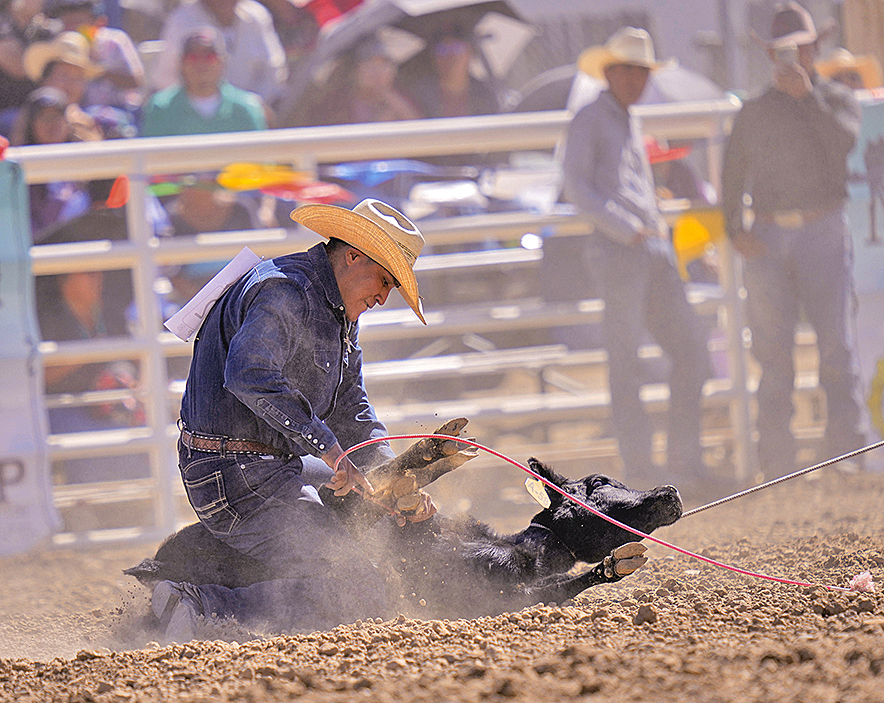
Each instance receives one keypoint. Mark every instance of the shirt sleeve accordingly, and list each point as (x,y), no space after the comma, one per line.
(610,217)
(274,322)
(835,117)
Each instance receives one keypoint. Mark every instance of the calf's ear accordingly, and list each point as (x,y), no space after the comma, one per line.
(544,471)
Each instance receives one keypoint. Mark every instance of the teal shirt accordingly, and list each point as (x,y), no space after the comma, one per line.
(169,112)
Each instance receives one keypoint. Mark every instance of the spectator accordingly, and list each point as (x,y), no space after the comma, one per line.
(91,305)
(297,29)
(62,62)
(45,118)
(788,150)
(448,89)
(856,72)
(203,206)
(608,176)
(256,58)
(368,92)
(21,23)
(121,84)
(203,102)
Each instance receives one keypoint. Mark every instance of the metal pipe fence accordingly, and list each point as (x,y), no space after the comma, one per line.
(303,149)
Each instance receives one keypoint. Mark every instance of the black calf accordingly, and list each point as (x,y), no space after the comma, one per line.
(461,567)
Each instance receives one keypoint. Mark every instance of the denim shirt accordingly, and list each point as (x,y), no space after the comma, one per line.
(607,174)
(277,361)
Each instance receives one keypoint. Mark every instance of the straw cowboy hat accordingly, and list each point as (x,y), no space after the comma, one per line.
(379,231)
(628,45)
(67,47)
(867,66)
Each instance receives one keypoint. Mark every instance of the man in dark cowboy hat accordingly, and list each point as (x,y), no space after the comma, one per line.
(788,150)
(275,392)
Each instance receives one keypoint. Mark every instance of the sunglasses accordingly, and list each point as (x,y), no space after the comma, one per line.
(201,57)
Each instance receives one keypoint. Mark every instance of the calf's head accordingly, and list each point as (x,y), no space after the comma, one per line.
(590,537)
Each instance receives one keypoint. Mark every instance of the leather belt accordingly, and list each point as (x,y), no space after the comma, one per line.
(225,445)
(793,219)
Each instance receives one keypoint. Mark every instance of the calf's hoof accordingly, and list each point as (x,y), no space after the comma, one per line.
(625,559)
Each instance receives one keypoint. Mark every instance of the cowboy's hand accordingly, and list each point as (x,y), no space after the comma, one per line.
(793,80)
(748,245)
(416,507)
(347,477)
(658,231)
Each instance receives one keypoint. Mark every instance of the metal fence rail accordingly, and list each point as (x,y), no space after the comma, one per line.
(303,149)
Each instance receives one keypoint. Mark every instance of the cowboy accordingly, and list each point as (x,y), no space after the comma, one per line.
(856,72)
(608,177)
(788,151)
(275,392)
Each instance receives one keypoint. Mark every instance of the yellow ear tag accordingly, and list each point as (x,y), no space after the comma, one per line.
(537,489)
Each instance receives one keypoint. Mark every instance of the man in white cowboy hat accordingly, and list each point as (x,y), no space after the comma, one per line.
(788,151)
(856,72)
(275,390)
(608,176)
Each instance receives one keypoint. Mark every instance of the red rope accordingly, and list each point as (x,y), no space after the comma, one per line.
(582,504)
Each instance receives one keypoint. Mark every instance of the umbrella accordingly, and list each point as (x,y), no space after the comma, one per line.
(566,87)
(675,83)
(405,26)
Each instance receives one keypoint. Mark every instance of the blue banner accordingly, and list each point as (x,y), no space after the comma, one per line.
(27,516)
(866,214)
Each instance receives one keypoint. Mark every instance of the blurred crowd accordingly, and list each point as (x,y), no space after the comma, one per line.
(70,71)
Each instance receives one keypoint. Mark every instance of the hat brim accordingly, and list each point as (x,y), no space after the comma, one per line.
(799,38)
(596,59)
(333,221)
(866,66)
(39,55)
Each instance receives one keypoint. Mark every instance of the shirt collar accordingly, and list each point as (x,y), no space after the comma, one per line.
(611,104)
(326,276)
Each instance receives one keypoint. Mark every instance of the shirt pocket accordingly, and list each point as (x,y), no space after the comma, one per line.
(325,360)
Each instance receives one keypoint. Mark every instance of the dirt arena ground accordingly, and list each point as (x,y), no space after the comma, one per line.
(678,630)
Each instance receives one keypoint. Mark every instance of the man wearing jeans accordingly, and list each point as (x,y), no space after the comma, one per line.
(608,176)
(788,150)
(274,393)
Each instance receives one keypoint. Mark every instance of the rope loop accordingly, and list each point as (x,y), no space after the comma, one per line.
(639,533)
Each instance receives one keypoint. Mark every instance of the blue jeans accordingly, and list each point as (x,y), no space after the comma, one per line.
(807,269)
(269,509)
(643,292)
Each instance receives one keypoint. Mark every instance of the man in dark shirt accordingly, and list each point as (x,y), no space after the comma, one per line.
(274,395)
(788,151)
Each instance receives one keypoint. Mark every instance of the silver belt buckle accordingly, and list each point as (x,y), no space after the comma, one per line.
(789,219)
